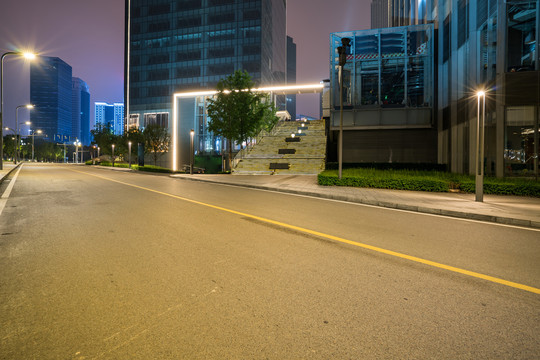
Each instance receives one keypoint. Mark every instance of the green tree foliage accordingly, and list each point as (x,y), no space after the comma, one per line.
(135,136)
(156,141)
(104,138)
(237,113)
(9,146)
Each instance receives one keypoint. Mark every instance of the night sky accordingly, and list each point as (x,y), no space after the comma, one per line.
(89,36)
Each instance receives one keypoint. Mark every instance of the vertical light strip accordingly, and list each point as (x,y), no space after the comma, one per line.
(175,133)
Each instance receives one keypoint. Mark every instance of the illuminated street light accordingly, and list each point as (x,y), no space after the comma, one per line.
(191,136)
(129,155)
(27,55)
(479,181)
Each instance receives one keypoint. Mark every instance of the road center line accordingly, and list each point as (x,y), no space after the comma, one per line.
(5,195)
(335,238)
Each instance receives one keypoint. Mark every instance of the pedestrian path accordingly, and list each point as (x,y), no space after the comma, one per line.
(511,210)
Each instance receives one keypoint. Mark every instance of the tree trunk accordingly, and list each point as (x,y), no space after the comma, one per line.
(229,160)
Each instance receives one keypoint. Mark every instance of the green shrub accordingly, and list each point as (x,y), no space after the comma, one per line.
(435,181)
(152,168)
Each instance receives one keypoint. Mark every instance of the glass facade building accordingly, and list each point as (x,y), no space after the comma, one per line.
(489,45)
(80,103)
(51,95)
(388,94)
(111,115)
(189,45)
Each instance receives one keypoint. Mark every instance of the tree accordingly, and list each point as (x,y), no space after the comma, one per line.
(135,136)
(104,138)
(237,113)
(156,141)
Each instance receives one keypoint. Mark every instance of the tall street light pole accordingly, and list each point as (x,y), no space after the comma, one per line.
(479,191)
(191,135)
(29,56)
(33,136)
(129,154)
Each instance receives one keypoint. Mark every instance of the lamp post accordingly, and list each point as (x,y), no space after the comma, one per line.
(33,136)
(112,155)
(29,107)
(18,140)
(29,56)
(191,135)
(129,154)
(479,190)
(343,52)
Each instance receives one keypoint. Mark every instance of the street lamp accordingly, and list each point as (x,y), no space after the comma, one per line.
(479,191)
(29,107)
(129,155)
(77,145)
(33,136)
(112,155)
(27,55)
(343,52)
(191,135)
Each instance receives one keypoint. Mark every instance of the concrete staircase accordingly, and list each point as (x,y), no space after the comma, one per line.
(280,153)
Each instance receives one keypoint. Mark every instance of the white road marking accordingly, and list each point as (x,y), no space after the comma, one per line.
(5,195)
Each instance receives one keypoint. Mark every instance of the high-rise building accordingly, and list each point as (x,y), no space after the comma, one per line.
(489,45)
(179,45)
(291,75)
(391,13)
(51,95)
(80,102)
(110,115)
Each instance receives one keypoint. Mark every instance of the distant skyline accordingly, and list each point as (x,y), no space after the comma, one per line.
(89,36)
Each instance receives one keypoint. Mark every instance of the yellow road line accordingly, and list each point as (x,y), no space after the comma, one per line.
(336,238)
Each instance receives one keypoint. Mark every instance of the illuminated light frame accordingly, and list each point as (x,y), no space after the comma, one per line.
(282,90)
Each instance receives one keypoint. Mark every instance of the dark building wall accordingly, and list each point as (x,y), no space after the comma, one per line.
(385,146)
(291,75)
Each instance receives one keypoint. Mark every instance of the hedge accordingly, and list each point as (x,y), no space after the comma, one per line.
(433,181)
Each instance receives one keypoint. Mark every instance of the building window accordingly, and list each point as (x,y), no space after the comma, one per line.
(220,2)
(160,26)
(160,119)
(159,74)
(185,5)
(252,15)
(220,69)
(521,35)
(188,72)
(463,22)
(159,9)
(221,18)
(220,52)
(133,122)
(392,83)
(188,56)
(158,59)
(252,66)
(160,90)
(188,22)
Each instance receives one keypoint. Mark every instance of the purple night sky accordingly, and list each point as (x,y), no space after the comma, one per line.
(89,36)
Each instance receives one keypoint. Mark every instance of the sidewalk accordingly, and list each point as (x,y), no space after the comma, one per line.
(511,210)
(7,167)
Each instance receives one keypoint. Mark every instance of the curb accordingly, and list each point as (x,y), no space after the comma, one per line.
(413,208)
(5,175)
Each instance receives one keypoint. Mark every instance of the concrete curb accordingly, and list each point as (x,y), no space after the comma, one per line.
(413,208)
(5,175)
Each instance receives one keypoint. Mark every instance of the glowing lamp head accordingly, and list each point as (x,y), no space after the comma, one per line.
(29,55)
(292,135)
(27,123)
(29,106)
(39,131)
(481,93)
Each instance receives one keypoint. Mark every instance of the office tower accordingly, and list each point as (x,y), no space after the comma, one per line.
(51,95)
(181,45)
(111,115)
(80,102)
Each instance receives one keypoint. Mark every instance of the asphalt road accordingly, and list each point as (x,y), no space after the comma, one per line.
(103,264)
